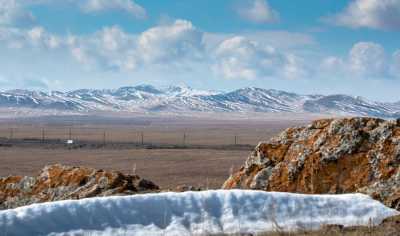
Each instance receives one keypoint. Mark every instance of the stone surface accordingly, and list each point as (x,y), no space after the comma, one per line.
(59,182)
(187,188)
(328,156)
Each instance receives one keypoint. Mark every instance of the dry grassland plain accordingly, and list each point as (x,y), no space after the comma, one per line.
(205,168)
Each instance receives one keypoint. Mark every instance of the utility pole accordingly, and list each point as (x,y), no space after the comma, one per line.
(104,138)
(43,135)
(11,134)
(142,137)
(70,134)
(184,139)
(235,139)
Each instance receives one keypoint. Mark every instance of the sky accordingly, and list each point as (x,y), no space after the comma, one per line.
(308,47)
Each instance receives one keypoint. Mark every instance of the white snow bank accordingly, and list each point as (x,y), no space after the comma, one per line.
(192,213)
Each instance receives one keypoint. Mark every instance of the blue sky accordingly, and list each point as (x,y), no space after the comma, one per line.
(313,46)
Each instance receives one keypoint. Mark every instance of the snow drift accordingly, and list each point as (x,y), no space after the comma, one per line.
(190,213)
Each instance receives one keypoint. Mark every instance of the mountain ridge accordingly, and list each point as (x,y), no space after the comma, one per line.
(148,98)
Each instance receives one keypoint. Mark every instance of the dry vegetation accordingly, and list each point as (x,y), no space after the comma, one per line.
(154,130)
(206,168)
(167,168)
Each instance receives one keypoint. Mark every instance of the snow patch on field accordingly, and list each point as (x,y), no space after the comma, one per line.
(189,213)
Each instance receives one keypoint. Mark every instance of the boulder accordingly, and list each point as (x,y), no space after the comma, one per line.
(328,156)
(58,182)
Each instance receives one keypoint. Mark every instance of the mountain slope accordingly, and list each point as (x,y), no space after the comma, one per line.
(146,98)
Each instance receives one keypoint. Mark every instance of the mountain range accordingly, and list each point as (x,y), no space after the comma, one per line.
(147,98)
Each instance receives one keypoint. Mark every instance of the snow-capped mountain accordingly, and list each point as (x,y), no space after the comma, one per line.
(146,98)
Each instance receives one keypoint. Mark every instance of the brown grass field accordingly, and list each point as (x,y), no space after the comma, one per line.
(206,168)
(166,167)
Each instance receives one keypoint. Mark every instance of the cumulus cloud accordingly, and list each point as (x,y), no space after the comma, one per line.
(107,48)
(16,12)
(179,44)
(294,67)
(36,37)
(241,58)
(128,6)
(375,14)
(178,40)
(12,13)
(364,60)
(395,67)
(367,59)
(331,64)
(113,48)
(176,45)
(258,11)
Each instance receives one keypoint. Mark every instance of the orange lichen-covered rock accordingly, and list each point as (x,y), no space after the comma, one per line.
(59,182)
(328,156)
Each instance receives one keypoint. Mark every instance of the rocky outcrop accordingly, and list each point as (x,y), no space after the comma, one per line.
(59,182)
(328,156)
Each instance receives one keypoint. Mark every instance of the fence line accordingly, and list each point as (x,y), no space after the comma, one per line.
(104,136)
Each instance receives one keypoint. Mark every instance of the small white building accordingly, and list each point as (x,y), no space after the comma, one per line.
(70,141)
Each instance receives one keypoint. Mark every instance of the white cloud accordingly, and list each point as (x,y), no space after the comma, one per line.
(180,40)
(36,37)
(367,59)
(16,12)
(395,67)
(179,45)
(280,39)
(375,14)
(106,48)
(172,44)
(332,63)
(128,6)
(175,44)
(241,58)
(294,67)
(258,11)
(12,12)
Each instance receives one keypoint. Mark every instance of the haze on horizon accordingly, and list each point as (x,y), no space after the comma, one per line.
(308,47)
